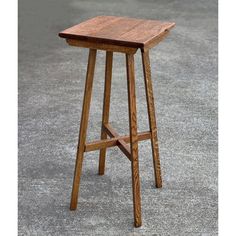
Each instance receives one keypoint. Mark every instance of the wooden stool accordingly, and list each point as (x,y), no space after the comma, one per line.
(125,35)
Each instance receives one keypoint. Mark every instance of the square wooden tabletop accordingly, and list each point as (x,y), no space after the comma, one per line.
(121,31)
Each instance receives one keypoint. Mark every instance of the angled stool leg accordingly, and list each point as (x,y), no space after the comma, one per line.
(133,139)
(106,108)
(83,127)
(152,118)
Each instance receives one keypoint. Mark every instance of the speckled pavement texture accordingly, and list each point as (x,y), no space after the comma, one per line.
(51,84)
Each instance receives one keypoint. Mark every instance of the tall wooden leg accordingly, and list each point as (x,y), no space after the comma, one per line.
(152,118)
(106,108)
(83,127)
(133,139)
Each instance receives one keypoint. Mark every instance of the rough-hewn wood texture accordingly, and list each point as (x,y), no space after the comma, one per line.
(120,31)
(133,139)
(152,118)
(83,127)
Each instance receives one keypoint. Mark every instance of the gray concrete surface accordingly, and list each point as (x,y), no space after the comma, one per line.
(51,83)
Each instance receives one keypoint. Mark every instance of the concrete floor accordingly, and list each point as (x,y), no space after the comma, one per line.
(51,84)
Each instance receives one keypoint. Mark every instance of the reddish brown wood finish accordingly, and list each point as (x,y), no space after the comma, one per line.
(101,46)
(152,118)
(120,143)
(133,139)
(106,108)
(119,31)
(115,140)
(126,35)
(83,127)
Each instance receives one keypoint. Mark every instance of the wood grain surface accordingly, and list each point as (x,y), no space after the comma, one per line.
(122,31)
(133,139)
(83,127)
(152,118)
(114,141)
(122,145)
(101,46)
(106,109)
(118,34)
